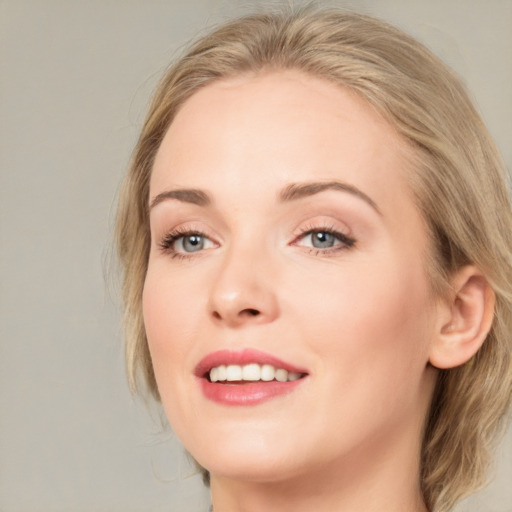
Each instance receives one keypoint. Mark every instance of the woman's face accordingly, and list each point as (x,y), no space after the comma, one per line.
(286,245)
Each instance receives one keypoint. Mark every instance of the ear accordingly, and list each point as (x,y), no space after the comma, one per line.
(465,319)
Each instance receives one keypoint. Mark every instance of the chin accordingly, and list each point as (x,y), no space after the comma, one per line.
(243,467)
(247,456)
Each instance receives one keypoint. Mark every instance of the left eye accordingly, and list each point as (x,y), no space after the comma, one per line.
(323,239)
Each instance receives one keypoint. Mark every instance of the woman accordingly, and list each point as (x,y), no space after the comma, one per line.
(316,238)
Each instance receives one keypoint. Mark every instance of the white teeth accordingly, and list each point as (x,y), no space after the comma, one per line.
(222,372)
(281,375)
(233,372)
(251,372)
(268,372)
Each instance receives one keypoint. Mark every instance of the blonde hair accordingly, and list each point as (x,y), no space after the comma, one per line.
(458,178)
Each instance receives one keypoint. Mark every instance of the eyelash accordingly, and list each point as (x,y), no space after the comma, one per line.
(346,242)
(168,241)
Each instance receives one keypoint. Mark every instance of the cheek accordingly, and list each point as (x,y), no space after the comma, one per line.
(382,353)
(156,306)
(372,321)
(166,313)
(170,319)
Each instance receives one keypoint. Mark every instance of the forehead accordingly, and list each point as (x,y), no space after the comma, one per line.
(267,130)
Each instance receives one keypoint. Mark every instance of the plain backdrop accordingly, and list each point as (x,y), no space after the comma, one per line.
(75,80)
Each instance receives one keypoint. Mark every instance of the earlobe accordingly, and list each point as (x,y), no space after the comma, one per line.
(465,319)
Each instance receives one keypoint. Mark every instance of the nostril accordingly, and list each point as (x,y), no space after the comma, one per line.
(250,312)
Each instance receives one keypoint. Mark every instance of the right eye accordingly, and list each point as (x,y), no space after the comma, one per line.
(190,243)
(180,243)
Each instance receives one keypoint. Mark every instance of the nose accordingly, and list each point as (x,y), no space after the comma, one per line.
(244,291)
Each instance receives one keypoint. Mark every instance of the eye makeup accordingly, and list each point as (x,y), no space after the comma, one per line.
(323,241)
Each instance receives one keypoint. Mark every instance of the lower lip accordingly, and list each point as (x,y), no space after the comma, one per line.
(251,393)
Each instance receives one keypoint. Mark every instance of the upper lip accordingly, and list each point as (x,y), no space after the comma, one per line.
(241,357)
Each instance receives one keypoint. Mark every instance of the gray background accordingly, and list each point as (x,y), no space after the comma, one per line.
(75,81)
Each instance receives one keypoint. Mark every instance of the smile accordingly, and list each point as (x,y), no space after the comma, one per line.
(248,377)
(251,373)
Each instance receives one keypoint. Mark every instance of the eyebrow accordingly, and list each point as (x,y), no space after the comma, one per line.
(301,190)
(187,195)
(291,192)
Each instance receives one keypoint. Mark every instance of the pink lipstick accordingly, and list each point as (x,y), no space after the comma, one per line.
(246,377)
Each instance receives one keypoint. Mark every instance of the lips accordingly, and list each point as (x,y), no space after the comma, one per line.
(246,377)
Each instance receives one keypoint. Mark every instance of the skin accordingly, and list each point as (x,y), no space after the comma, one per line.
(360,318)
